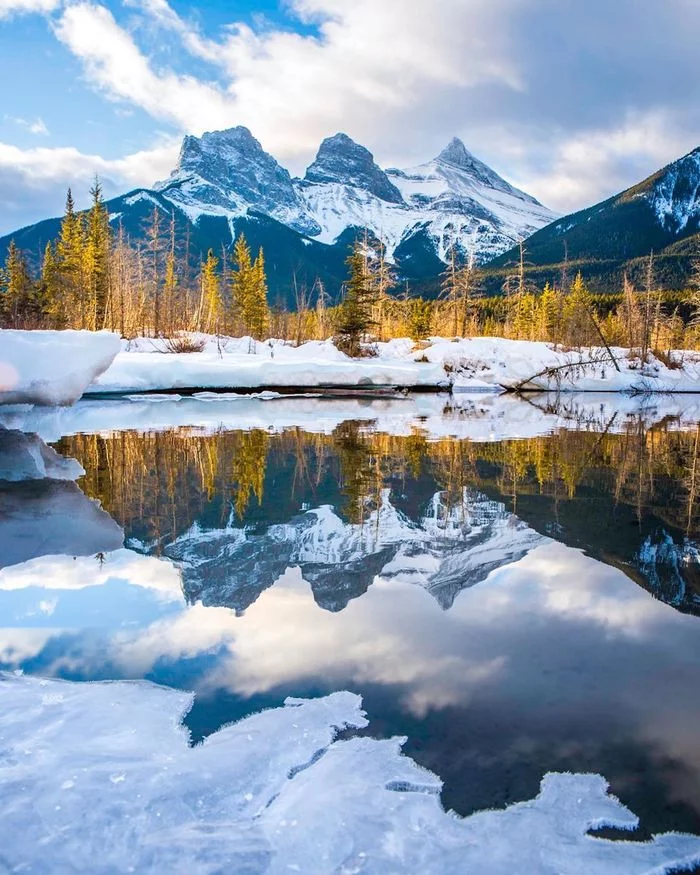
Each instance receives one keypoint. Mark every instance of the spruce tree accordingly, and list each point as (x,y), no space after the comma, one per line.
(70,306)
(96,260)
(211,294)
(16,290)
(259,311)
(355,313)
(49,290)
(241,281)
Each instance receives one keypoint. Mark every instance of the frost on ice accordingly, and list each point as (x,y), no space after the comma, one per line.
(101,778)
(52,367)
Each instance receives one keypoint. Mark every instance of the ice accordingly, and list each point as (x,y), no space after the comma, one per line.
(100,777)
(52,367)
(26,457)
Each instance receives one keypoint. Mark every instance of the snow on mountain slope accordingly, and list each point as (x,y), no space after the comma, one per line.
(228,173)
(675,195)
(452,547)
(455,199)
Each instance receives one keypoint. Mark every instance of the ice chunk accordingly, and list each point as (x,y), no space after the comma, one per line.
(52,367)
(100,778)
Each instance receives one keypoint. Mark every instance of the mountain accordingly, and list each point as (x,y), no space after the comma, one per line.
(446,550)
(225,183)
(660,214)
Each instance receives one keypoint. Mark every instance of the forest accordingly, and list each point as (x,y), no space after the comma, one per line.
(93,276)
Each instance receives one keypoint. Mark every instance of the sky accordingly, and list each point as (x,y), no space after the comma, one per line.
(570,101)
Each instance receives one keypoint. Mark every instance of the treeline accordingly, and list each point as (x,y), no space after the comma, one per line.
(94,276)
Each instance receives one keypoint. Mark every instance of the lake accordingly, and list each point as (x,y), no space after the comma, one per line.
(513,585)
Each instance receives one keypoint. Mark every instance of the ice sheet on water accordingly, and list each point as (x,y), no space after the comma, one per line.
(101,778)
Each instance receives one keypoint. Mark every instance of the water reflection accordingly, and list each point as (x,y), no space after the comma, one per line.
(488,599)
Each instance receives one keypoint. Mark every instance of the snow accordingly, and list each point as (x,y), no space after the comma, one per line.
(508,364)
(52,367)
(99,777)
(479,363)
(227,363)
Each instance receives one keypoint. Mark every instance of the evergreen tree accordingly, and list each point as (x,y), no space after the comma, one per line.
(49,290)
(16,289)
(420,318)
(355,312)
(69,307)
(577,313)
(96,260)
(258,316)
(549,314)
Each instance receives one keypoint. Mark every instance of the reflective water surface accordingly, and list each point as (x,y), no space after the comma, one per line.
(513,585)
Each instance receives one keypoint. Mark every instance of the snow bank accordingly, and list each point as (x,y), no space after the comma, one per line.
(482,363)
(242,363)
(495,362)
(52,367)
(100,778)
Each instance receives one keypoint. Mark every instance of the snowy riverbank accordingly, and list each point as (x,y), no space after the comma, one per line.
(56,368)
(483,363)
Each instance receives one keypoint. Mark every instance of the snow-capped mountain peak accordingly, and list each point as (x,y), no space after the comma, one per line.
(229,173)
(342,160)
(455,199)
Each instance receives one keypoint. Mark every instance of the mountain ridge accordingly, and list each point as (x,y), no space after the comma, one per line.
(225,184)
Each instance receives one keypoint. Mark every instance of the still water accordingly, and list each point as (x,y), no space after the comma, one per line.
(513,586)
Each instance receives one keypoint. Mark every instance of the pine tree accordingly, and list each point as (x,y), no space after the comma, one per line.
(241,281)
(258,316)
(16,289)
(420,318)
(96,260)
(549,314)
(577,313)
(49,290)
(70,305)
(355,312)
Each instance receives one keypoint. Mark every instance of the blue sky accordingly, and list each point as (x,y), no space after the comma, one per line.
(570,101)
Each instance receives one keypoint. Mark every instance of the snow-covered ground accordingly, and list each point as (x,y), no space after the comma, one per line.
(56,368)
(52,367)
(483,363)
(100,777)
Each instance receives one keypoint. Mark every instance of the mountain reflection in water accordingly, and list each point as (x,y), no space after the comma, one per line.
(433,575)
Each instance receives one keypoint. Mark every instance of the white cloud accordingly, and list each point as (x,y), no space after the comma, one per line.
(34,126)
(590,166)
(23,7)
(572,127)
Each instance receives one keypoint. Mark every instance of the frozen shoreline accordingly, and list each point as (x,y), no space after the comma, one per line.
(56,368)
(101,777)
(474,364)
